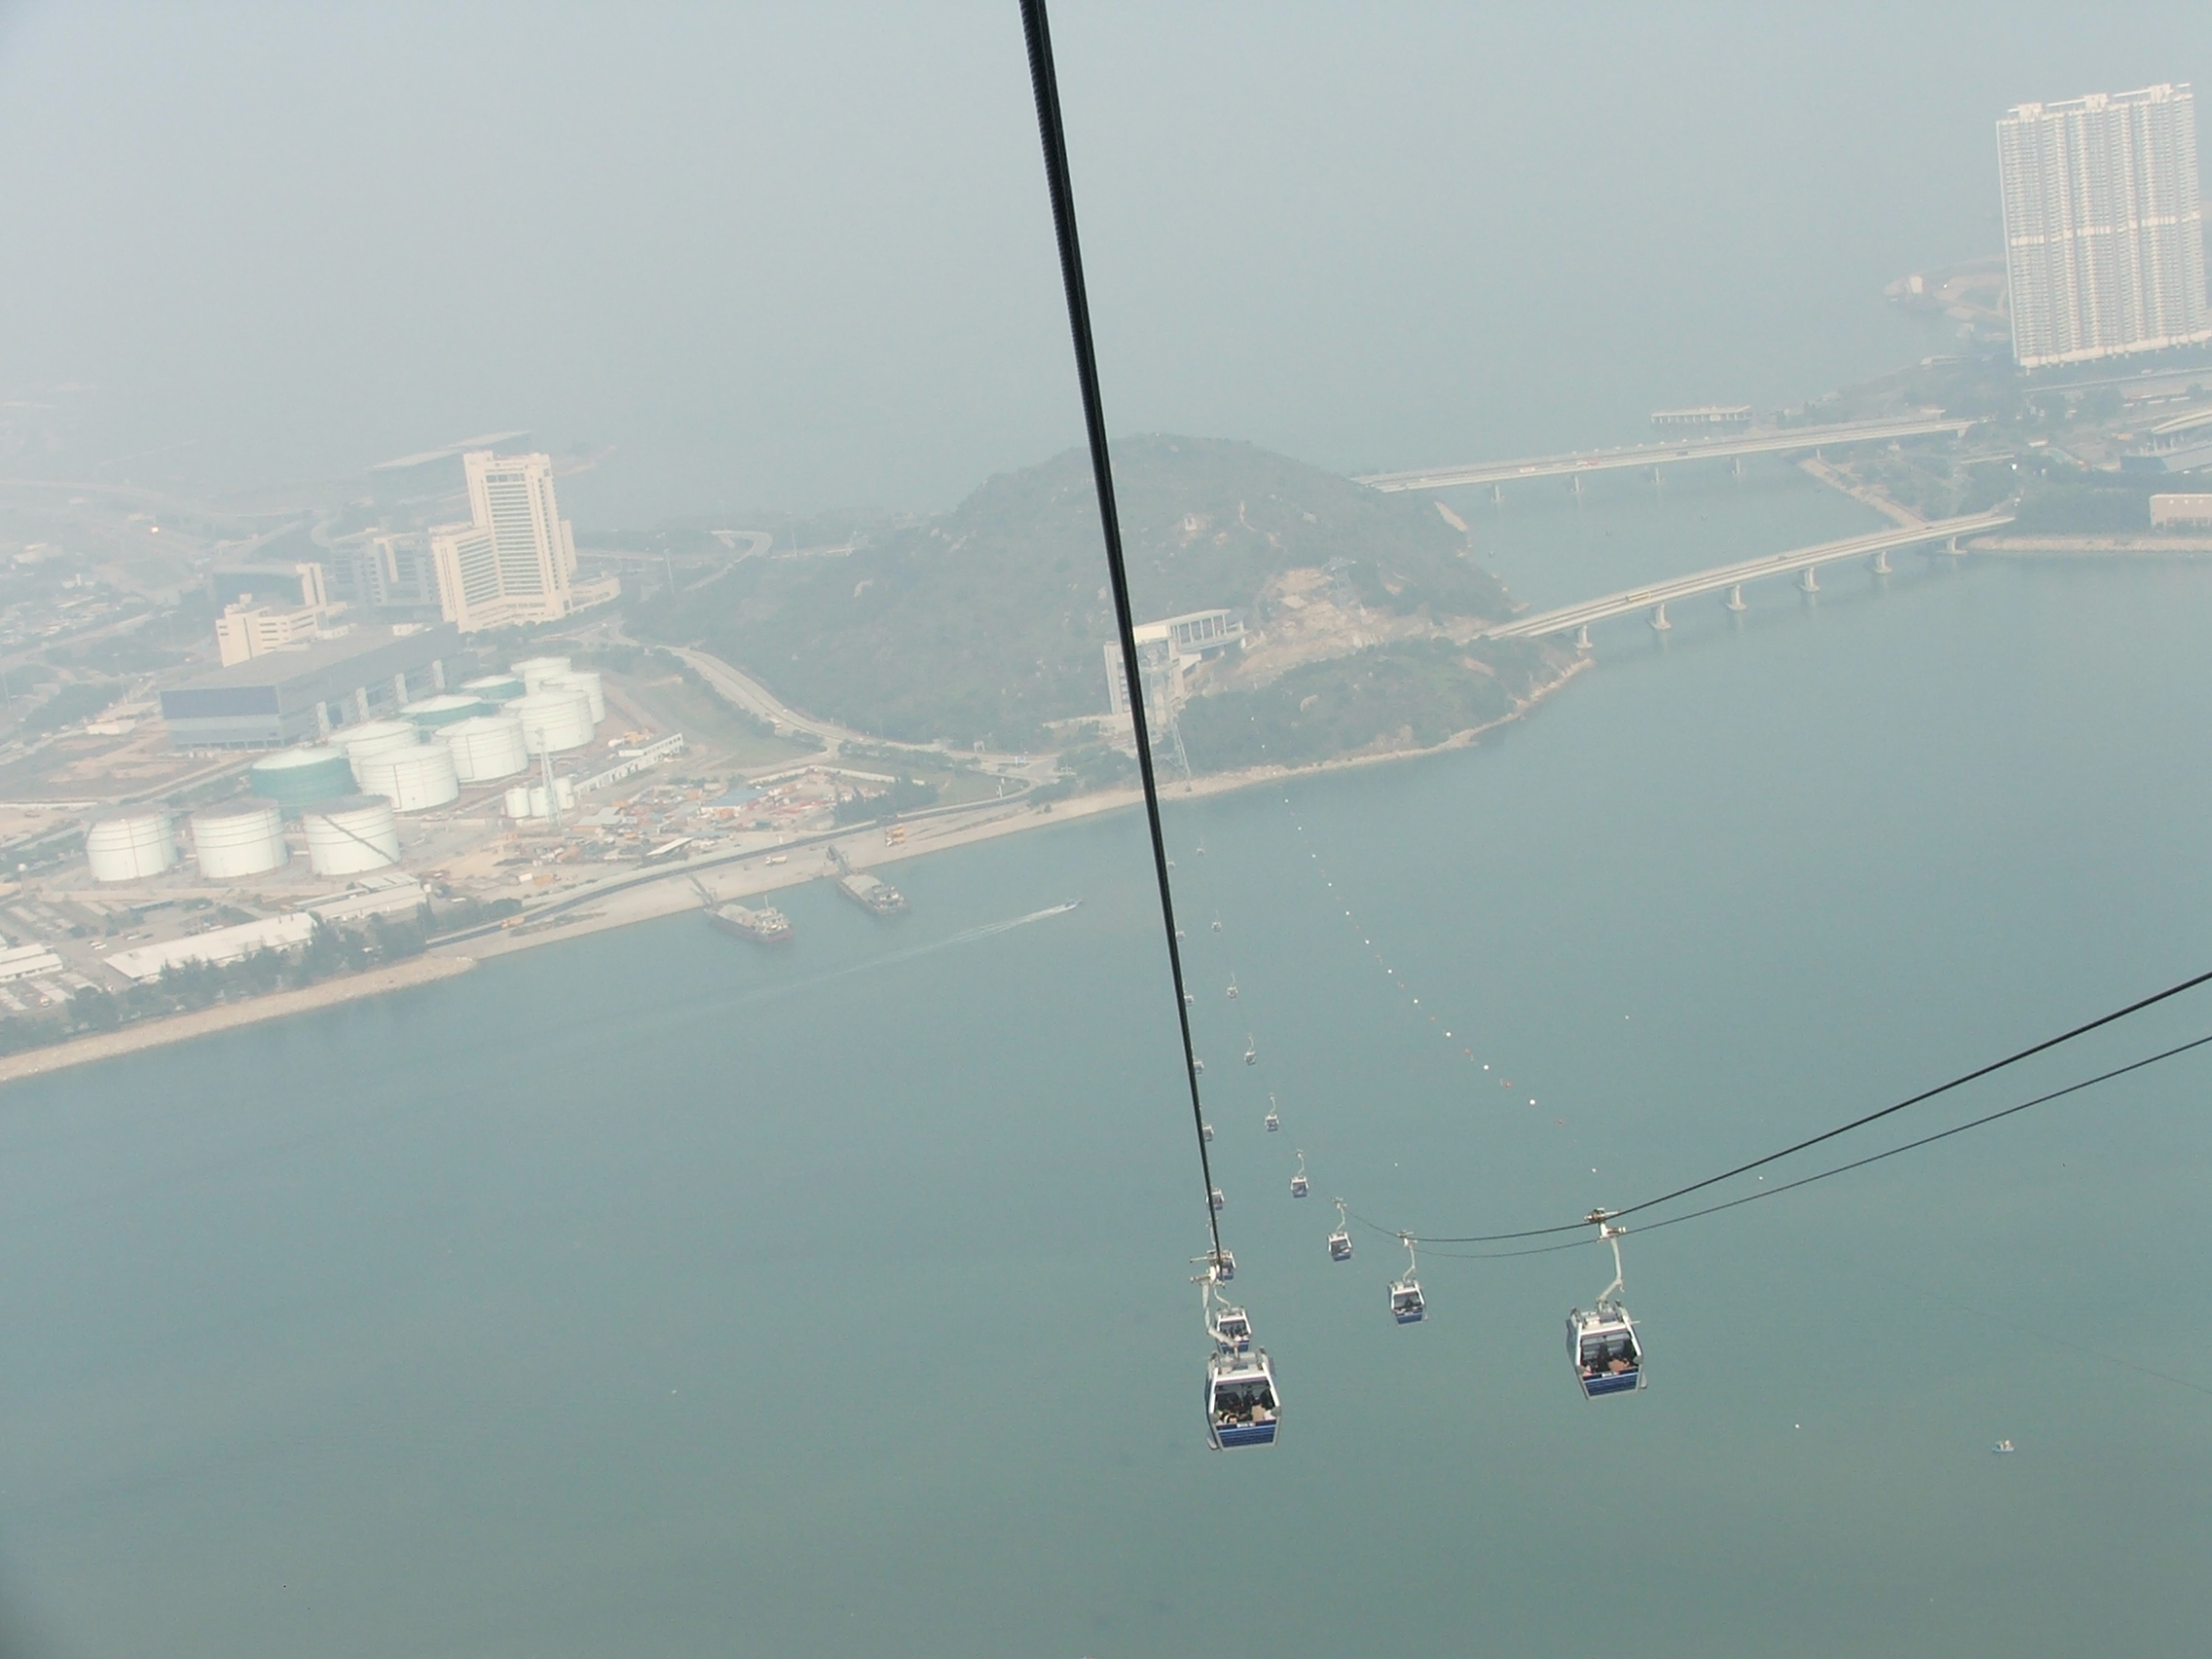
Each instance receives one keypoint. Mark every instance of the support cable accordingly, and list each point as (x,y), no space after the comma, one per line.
(1044,80)
(1925,1095)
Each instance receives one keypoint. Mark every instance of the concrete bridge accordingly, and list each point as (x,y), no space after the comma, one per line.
(1804,561)
(1654,455)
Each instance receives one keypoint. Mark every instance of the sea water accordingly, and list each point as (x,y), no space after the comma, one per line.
(659,1293)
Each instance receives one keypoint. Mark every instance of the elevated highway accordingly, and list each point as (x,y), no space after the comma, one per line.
(1575,465)
(1655,596)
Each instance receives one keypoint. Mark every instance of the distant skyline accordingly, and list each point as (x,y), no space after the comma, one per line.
(799,257)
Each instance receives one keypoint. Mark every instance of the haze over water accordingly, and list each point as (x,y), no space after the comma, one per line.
(653,1294)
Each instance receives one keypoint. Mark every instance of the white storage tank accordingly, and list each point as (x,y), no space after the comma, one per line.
(413,780)
(485,748)
(534,672)
(374,737)
(129,845)
(553,720)
(528,800)
(351,835)
(587,681)
(239,837)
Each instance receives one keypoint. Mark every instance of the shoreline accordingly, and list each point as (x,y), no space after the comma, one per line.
(684,888)
(228,1017)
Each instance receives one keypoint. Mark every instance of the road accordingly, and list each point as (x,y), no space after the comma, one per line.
(1656,597)
(1656,454)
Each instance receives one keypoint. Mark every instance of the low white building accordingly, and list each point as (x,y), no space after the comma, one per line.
(2179,510)
(1168,654)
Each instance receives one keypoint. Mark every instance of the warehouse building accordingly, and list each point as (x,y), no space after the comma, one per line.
(304,694)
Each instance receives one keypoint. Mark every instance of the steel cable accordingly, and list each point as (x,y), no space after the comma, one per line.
(1044,80)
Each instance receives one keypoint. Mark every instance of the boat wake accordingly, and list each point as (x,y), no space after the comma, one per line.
(989,930)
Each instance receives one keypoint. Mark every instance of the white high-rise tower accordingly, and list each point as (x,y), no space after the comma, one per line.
(512,561)
(2104,228)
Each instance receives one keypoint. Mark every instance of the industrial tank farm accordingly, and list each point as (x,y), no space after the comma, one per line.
(237,838)
(413,779)
(485,748)
(129,845)
(298,778)
(351,837)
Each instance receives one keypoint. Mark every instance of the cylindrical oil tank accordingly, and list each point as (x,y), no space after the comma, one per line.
(300,777)
(413,780)
(445,710)
(129,845)
(553,720)
(485,748)
(534,672)
(351,835)
(587,681)
(239,837)
(374,737)
(496,689)
(528,800)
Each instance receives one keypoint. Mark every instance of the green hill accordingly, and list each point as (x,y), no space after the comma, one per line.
(988,621)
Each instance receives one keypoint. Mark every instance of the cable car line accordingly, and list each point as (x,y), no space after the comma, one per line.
(1821,1175)
(1051,135)
(1925,1095)
(1929,1140)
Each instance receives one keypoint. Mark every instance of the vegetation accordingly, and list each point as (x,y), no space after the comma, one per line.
(330,951)
(1410,694)
(986,622)
(906,794)
(78,700)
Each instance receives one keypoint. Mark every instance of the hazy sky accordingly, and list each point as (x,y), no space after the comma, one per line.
(800,255)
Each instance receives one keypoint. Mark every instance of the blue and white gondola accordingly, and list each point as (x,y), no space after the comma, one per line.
(1601,1344)
(1242,1408)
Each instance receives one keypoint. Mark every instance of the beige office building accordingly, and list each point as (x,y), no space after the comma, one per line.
(2103,230)
(512,561)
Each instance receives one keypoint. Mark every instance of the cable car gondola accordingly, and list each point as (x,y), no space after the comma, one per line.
(1223,1263)
(1241,1406)
(1232,987)
(1273,1119)
(1339,1241)
(1218,1200)
(1298,1186)
(1251,1051)
(1603,1345)
(1206,1133)
(1407,1304)
(1217,921)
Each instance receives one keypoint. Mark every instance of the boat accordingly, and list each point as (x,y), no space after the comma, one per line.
(768,925)
(872,892)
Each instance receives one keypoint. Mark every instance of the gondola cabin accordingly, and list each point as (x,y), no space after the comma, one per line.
(1407,1305)
(1242,1409)
(1607,1357)
(1340,1245)
(1232,1329)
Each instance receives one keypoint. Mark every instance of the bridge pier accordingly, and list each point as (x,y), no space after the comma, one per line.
(1809,581)
(1882,563)
(1952,546)
(1496,494)
(1582,638)
(1736,598)
(1659,622)
(1574,483)
(1736,465)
